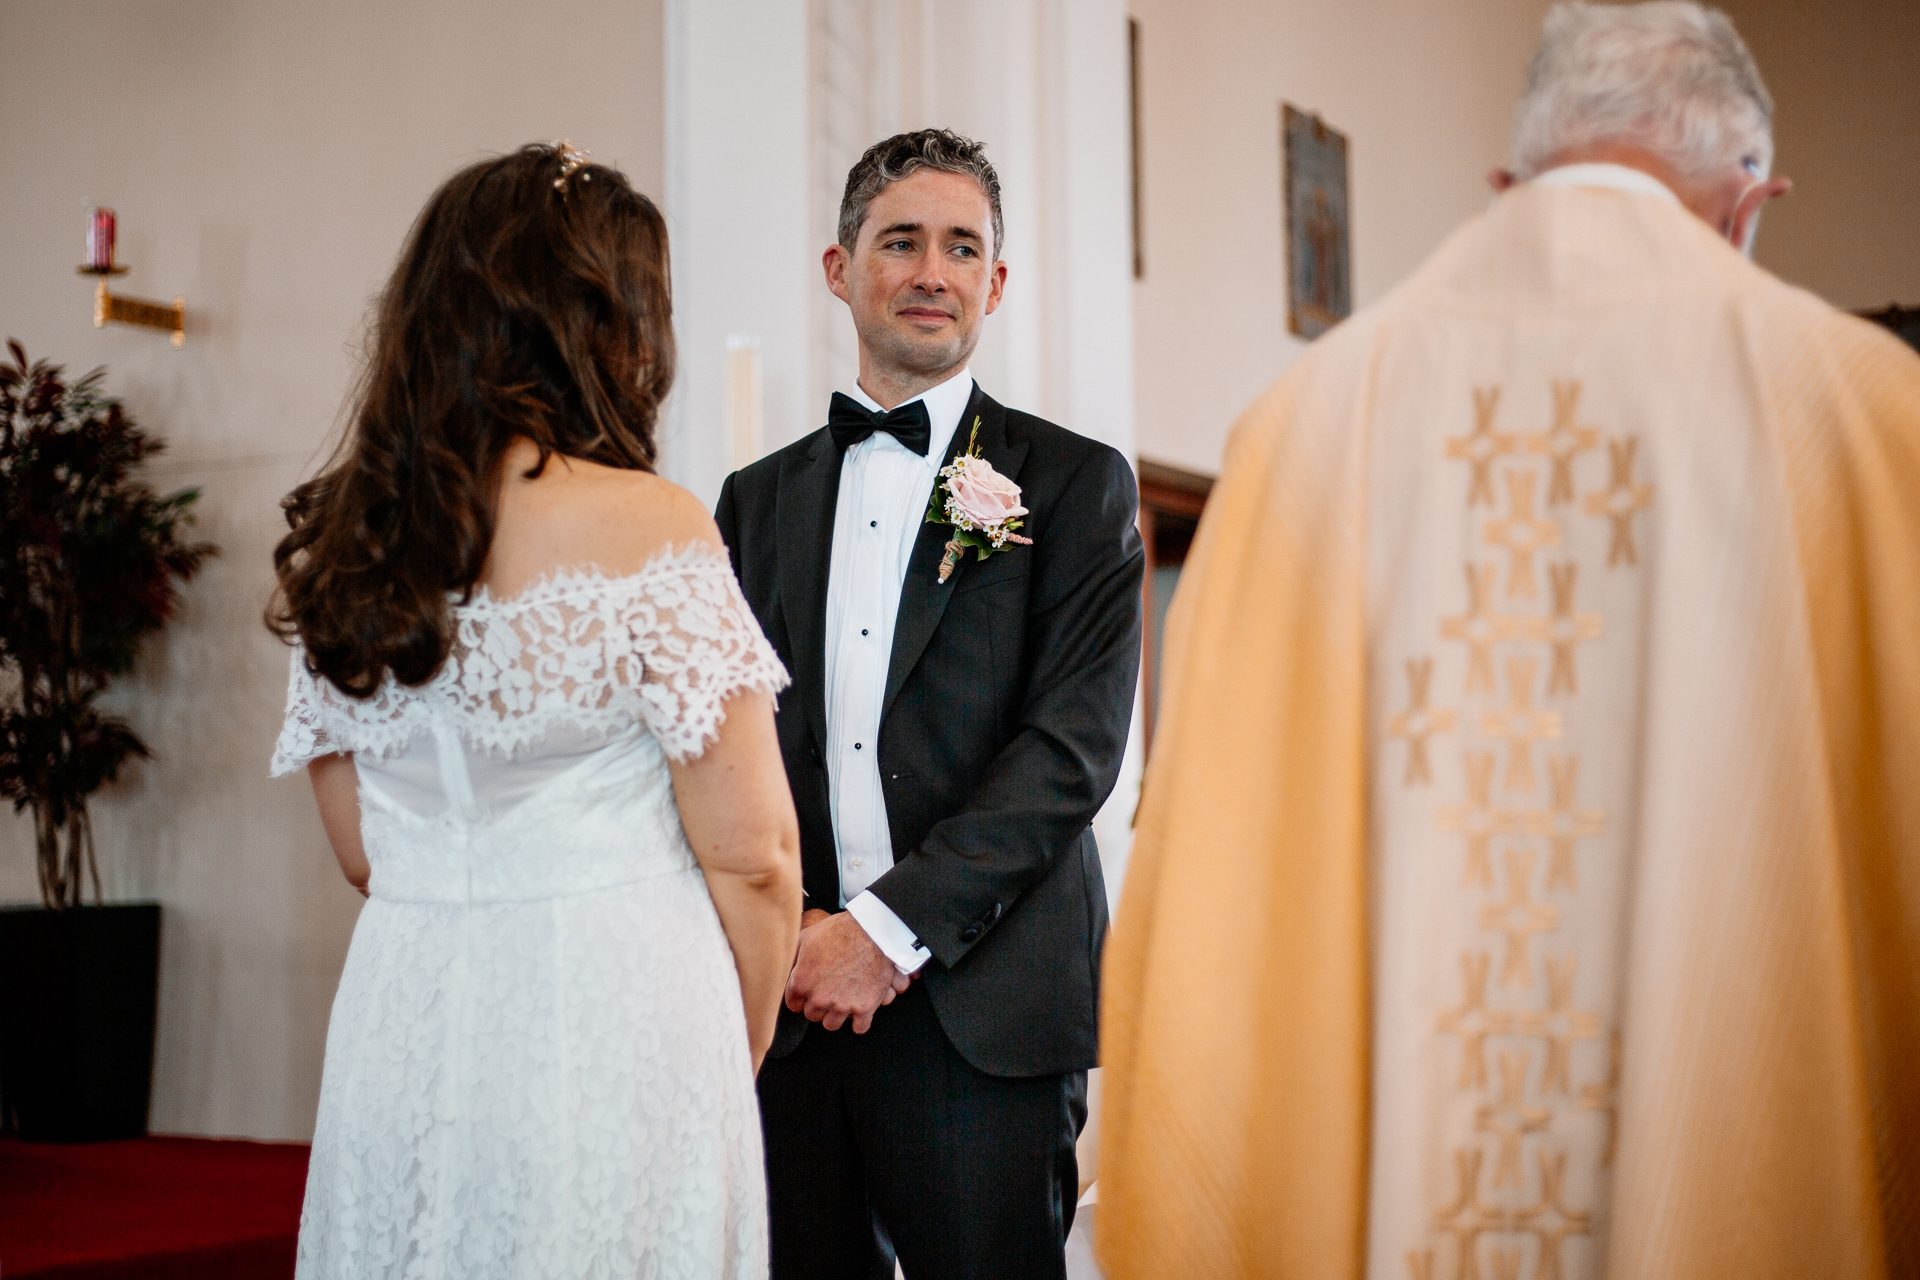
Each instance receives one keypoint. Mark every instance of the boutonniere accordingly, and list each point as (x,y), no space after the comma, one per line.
(981,505)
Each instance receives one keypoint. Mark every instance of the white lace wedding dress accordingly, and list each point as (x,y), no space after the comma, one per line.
(537,1064)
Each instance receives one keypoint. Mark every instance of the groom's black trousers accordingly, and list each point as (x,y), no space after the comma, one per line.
(892,1141)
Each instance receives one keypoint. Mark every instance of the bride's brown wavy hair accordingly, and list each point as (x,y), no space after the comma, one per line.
(532,300)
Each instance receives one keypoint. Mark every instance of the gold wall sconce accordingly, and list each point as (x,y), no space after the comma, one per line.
(107,306)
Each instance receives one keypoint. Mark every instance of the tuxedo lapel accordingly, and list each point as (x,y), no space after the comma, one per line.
(809,488)
(923,597)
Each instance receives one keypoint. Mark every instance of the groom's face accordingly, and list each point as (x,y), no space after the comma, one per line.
(921,276)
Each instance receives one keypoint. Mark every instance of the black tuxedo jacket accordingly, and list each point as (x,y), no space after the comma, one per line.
(1007,703)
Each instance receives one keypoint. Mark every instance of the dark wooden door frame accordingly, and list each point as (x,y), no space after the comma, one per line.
(1171,500)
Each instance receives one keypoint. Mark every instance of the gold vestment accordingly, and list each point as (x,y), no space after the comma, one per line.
(1538,767)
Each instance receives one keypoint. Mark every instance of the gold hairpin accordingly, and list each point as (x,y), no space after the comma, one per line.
(571,159)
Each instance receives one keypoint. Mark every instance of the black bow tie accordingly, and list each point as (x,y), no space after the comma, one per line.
(851,422)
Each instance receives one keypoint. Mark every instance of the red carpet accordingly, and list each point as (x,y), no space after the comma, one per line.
(154,1208)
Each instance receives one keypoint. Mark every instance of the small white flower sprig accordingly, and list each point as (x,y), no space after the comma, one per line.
(981,505)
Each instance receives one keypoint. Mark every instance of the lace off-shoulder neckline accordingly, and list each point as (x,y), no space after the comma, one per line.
(664,646)
(562,581)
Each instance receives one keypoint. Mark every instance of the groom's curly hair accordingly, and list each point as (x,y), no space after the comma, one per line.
(532,300)
(888,161)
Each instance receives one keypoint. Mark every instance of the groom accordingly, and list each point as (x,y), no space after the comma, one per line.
(948,738)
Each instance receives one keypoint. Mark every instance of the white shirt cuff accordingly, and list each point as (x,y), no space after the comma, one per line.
(889,932)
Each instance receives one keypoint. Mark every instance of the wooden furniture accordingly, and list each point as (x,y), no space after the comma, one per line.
(1904,321)
(1171,500)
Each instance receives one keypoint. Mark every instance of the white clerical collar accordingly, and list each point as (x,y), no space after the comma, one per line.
(945,404)
(1618,176)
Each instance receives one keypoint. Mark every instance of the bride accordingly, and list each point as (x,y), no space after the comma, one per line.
(537,715)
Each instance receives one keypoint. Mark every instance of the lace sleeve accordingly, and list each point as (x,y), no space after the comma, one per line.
(304,736)
(695,645)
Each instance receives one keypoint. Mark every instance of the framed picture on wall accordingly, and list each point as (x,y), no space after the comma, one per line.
(1319,273)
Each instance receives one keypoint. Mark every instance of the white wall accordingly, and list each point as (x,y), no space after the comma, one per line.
(1424,93)
(265,160)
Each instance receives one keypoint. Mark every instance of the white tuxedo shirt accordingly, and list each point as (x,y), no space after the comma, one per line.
(884,487)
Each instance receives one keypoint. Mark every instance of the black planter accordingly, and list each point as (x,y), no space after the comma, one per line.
(78,994)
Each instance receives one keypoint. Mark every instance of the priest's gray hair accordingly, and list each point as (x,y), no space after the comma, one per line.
(888,161)
(1672,77)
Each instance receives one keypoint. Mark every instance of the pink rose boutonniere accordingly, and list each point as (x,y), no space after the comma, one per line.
(982,506)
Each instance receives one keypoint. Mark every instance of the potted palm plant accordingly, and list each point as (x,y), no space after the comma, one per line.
(91,563)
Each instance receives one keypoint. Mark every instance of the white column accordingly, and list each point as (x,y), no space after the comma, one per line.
(1044,84)
(994,87)
(1090,302)
(737,198)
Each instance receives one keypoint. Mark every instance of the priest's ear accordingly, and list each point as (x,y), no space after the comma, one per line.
(1745,220)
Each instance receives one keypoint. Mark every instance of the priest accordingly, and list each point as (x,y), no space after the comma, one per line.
(1528,876)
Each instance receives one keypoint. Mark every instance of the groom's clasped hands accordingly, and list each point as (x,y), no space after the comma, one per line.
(839,973)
